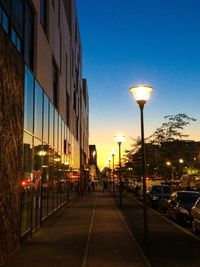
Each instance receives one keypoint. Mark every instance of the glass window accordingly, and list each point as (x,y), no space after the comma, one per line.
(63,136)
(55,84)
(5,22)
(19,44)
(59,132)
(51,124)
(6,4)
(51,181)
(37,175)
(38,153)
(16,40)
(27,184)
(29,35)
(38,110)
(68,110)
(45,180)
(57,173)
(18,15)
(0,14)
(43,14)
(13,36)
(56,130)
(46,119)
(28,100)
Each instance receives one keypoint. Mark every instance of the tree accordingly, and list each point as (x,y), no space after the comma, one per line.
(167,143)
(172,129)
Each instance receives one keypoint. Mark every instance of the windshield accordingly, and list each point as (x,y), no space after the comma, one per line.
(161,189)
(188,198)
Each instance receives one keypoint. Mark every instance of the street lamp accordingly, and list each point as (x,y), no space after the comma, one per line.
(181,161)
(141,94)
(119,140)
(109,160)
(169,164)
(113,166)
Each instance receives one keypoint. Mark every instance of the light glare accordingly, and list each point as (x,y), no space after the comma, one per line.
(119,138)
(141,92)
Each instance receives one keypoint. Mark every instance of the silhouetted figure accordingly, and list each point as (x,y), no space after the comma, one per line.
(105,185)
(89,185)
(93,186)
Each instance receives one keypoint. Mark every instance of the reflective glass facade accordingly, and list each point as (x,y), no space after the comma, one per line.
(48,174)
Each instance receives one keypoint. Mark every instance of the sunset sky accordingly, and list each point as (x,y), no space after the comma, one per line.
(131,42)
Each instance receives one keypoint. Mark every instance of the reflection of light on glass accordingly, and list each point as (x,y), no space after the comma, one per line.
(66,163)
(57,159)
(93,154)
(168,163)
(44,166)
(42,153)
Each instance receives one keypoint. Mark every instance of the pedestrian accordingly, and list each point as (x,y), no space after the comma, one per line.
(105,185)
(93,186)
(89,185)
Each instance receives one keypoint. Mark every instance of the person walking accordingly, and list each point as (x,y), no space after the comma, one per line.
(93,186)
(89,185)
(105,185)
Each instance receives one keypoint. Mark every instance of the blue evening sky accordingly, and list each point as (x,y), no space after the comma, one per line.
(124,43)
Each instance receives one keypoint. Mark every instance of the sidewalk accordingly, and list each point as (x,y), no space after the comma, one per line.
(88,233)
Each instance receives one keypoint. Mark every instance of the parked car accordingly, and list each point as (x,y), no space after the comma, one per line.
(149,183)
(156,193)
(196,217)
(190,181)
(180,205)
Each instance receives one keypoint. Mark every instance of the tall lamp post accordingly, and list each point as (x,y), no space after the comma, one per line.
(113,167)
(119,140)
(169,164)
(141,94)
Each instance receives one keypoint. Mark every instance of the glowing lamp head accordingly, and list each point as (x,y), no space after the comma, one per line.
(181,160)
(141,92)
(119,139)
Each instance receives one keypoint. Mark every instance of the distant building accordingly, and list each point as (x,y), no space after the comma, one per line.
(93,169)
(44,111)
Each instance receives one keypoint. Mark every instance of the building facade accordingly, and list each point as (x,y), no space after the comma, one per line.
(93,168)
(44,114)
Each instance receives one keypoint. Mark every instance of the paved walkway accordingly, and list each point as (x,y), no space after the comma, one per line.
(89,233)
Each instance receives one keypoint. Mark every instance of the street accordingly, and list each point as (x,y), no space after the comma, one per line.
(168,243)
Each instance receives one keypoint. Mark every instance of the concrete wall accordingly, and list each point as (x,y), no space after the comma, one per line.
(11,137)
